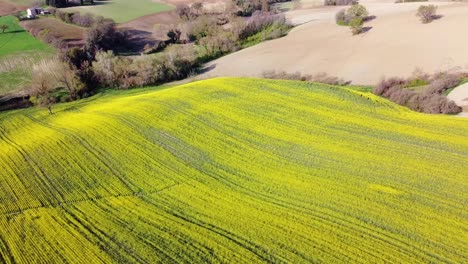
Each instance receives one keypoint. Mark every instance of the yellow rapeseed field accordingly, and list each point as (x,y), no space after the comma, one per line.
(233,170)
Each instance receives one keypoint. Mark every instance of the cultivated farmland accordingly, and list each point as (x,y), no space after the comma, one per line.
(395,44)
(123,10)
(18,50)
(233,170)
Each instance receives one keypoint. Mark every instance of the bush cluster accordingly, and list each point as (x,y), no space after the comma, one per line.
(86,20)
(354,17)
(127,72)
(216,40)
(430,99)
(297,76)
(340,2)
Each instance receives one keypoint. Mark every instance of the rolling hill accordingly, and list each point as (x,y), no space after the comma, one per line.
(396,44)
(233,170)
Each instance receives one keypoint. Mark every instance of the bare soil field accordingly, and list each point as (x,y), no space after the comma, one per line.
(72,35)
(396,44)
(8,8)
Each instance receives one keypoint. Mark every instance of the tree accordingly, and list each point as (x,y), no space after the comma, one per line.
(66,76)
(43,85)
(4,28)
(103,35)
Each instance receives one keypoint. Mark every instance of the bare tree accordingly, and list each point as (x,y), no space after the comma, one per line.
(43,86)
(4,28)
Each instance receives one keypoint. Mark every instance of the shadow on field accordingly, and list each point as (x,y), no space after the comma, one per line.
(207,69)
(13,31)
(366,29)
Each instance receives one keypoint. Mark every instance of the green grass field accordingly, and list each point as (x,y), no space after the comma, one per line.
(123,10)
(20,49)
(233,170)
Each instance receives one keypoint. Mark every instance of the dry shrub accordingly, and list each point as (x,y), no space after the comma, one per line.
(340,2)
(428,100)
(319,77)
(127,72)
(427,13)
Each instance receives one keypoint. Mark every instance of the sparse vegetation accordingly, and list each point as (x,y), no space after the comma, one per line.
(340,2)
(297,76)
(427,13)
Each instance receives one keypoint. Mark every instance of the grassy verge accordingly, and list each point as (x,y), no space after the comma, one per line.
(18,51)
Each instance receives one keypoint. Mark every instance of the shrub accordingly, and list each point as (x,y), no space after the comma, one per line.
(319,77)
(259,21)
(104,36)
(341,18)
(340,2)
(356,25)
(357,11)
(85,20)
(219,44)
(202,27)
(385,84)
(427,13)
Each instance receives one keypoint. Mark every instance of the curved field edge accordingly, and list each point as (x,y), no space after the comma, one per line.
(233,170)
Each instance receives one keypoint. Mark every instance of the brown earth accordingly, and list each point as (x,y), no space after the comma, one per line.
(395,44)
(8,8)
(72,35)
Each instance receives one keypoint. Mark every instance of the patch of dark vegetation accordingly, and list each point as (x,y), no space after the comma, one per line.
(429,97)
(340,2)
(297,76)
(11,102)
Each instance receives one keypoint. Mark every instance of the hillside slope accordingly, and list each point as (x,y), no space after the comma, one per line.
(233,170)
(320,45)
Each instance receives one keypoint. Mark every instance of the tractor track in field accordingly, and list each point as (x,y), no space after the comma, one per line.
(94,200)
(34,165)
(320,216)
(93,151)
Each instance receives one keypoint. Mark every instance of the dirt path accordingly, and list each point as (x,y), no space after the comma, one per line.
(460,96)
(396,45)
